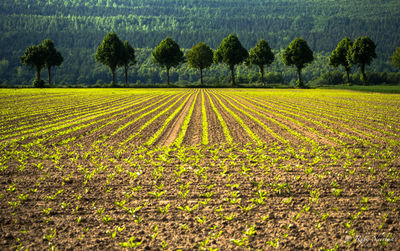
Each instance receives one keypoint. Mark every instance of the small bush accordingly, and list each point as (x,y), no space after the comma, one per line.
(38,83)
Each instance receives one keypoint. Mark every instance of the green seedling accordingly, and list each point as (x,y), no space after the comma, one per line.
(241,242)
(164,210)
(201,220)
(106,219)
(157,194)
(250,231)
(188,209)
(130,243)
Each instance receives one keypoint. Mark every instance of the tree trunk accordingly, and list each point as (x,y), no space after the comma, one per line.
(348,76)
(113,77)
(233,76)
(38,73)
(49,74)
(363,76)
(262,74)
(126,76)
(300,81)
(201,77)
(167,76)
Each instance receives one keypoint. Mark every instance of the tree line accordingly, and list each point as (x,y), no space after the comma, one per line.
(78,27)
(114,53)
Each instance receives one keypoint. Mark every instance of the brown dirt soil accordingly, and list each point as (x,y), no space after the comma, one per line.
(194,131)
(346,120)
(236,131)
(258,129)
(169,135)
(306,132)
(331,131)
(91,213)
(215,131)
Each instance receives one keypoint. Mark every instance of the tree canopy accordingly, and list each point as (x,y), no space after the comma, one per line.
(110,53)
(299,54)
(396,57)
(168,54)
(200,57)
(128,59)
(231,52)
(260,56)
(340,54)
(53,57)
(35,56)
(40,56)
(362,53)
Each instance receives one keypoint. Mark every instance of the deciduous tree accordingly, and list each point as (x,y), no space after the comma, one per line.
(35,57)
(168,54)
(260,56)
(396,58)
(200,57)
(362,53)
(298,54)
(128,59)
(110,53)
(231,52)
(53,57)
(339,56)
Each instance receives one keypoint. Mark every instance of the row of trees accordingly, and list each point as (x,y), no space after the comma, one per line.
(114,53)
(168,54)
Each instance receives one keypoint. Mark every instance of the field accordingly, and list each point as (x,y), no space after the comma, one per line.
(199,169)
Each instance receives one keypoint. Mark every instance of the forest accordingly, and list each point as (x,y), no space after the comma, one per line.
(78,27)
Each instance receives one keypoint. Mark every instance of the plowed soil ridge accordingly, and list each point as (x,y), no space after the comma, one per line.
(169,135)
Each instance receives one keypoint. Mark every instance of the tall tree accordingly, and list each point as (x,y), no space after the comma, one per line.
(362,53)
(34,56)
(231,52)
(200,57)
(110,53)
(168,54)
(298,54)
(396,58)
(260,56)
(128,59)
(53,57)
(339,56)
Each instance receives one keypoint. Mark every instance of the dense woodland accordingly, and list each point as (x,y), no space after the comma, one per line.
(77,28)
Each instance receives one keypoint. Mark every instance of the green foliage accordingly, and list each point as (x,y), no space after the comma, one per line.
(260,56)
(231,52)
(168,54)
(362,53)
(110,53)
(128,59)
(396,57)
(35,57)
(339,56)
(53,57)
(40,56)
(77,27)
(298,54)
(200,57)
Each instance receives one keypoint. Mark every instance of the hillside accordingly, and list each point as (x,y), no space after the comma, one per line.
(78,26)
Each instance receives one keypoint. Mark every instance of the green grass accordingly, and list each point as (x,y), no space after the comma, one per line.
(368,88)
